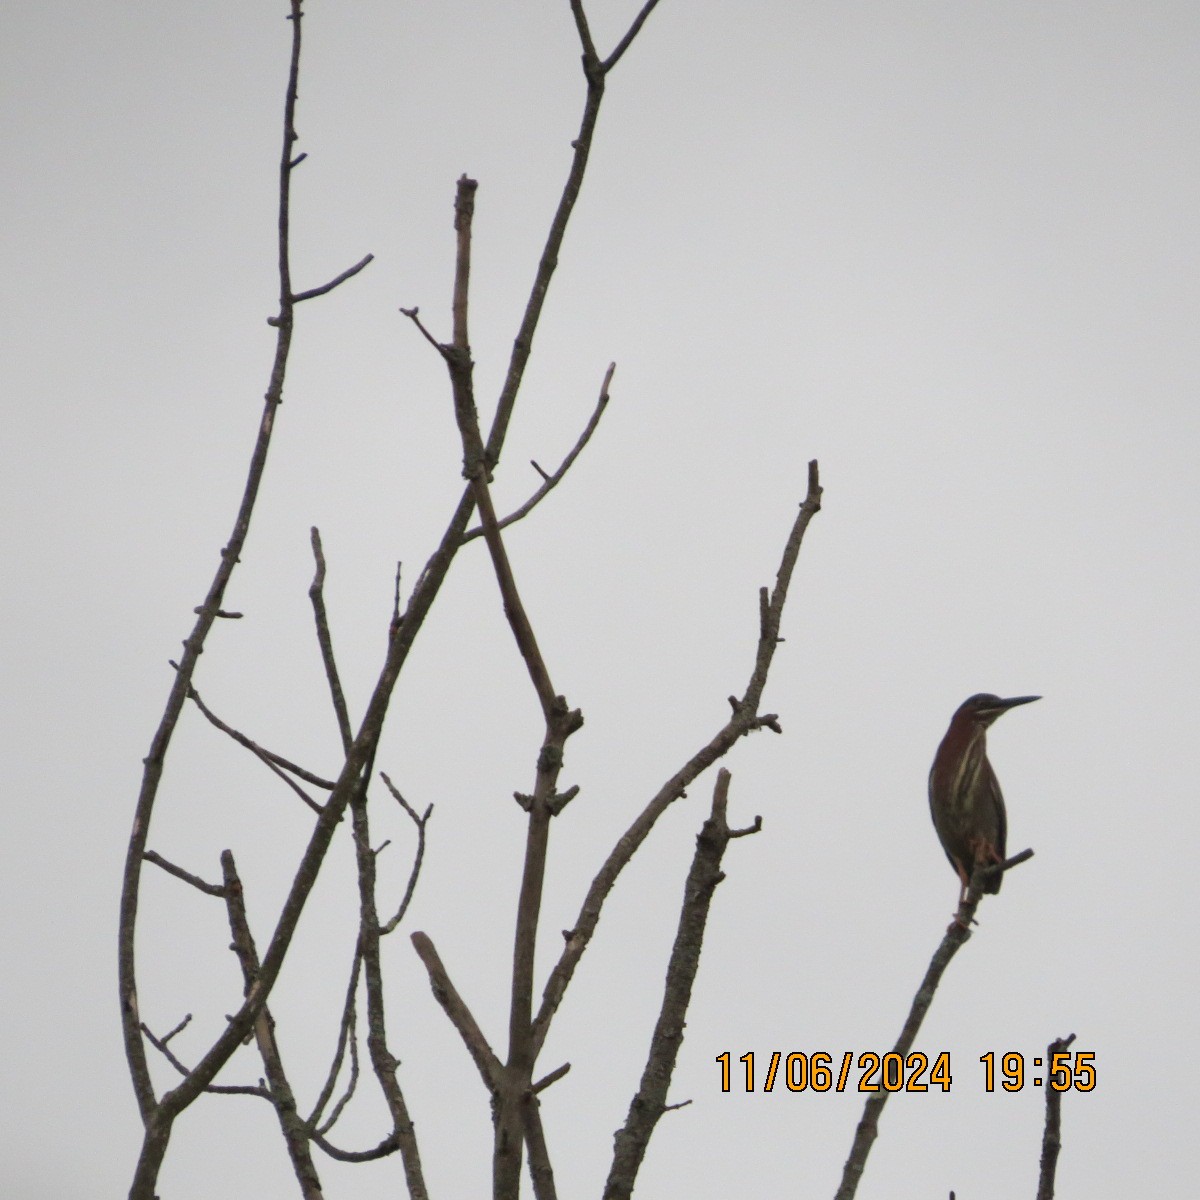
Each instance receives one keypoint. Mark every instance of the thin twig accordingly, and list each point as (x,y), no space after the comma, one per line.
(553,1077)
(397,614)
(211,889)
(413,315)
(349,273)
(187,1020)
(276,762)
(418,857)
(351,1080)
(389,1145)
(316,594)
(550,482)
(216,1089)
(345,1027)
(262,755)
(585,33)
(383,1063)
(623,45)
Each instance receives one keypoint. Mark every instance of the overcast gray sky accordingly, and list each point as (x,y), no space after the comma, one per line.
(947,248)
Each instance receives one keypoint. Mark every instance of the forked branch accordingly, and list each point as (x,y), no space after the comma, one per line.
(550,482)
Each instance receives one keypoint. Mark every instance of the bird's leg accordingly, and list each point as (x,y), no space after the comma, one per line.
(965,881)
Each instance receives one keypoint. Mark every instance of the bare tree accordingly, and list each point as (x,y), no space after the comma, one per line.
(512,1075)
(509,1076)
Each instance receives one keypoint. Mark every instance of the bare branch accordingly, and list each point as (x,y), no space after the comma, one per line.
(743,720)
(352,1081)
(460,1015)
(1052,1134)
(383,1062)
(345,1036)
(412,315)
(156,1119)
(397,615)
(550,482)
(769,636)
(159,1114)
(211,889)
(316,593)
(623,45)
(650,1101)
(514,1114)
(418,857)
(295,1133)
(956,936)
(464,212)
(226,1089)
(591,58)
(990,872)
(553,1077)
(475,459)
(540,1170)
(187,1020)
(389,1145)
(581,147)
(755,828)
(349,273)
(585,33)
(275,762)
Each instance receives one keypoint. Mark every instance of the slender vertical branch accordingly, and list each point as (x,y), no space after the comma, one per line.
(595,72)
(650,1101)
(956,936)
(158,1122)
(464,212)
(295,1133)
(383,1062)
(316,594)
(561,722)
(1052,1134)
(346,1033)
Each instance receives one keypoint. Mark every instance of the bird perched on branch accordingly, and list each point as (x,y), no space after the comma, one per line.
(964,795)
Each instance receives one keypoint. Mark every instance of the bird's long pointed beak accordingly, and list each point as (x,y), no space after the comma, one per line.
(1016,700)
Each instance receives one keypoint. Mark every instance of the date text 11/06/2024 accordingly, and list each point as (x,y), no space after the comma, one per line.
(870,1072)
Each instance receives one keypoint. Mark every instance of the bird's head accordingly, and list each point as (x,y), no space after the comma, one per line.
(983,708)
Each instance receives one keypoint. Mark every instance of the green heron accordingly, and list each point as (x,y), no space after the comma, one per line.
(964,794)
